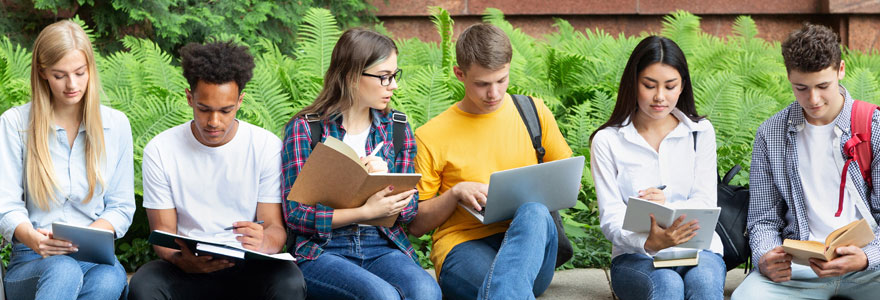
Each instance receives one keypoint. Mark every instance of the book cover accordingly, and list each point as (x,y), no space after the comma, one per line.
(334,176)
(637,219)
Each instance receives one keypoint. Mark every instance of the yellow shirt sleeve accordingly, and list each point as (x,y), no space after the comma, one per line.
(429,185)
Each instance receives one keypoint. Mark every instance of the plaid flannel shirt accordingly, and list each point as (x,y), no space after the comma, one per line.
(311,224)
(775,186)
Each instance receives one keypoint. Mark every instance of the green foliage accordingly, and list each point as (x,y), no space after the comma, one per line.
(738,80)
(173,23)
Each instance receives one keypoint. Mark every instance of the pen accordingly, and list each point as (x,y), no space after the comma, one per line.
(376,150)
(233,227)
(661,187)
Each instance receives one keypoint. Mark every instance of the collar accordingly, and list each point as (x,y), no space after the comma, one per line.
(684,128)
(105,121)
(797,120)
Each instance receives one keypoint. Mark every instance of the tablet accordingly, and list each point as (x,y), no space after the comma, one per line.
(95,244)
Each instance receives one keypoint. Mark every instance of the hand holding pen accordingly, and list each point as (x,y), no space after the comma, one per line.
(654,194)
(373,163)
(250,234)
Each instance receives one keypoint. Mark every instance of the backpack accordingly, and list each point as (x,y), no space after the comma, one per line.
(529,114)
(858,147)
(731,227)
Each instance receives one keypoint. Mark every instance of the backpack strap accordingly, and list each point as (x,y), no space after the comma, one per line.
(398,134)
(858,147)
(315,128)
(529,113)
(398,128)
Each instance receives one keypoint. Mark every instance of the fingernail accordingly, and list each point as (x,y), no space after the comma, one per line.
(391,188)
(75,249)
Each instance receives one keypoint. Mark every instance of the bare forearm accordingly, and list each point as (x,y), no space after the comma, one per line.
(432,213)
(347,216)
(274,238)
(103,224)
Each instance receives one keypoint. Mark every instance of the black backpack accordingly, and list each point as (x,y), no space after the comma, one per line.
(731,227)
(529,113)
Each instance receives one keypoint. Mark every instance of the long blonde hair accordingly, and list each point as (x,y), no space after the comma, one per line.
(53,43)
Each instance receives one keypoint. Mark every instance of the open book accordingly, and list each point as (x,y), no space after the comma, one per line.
(857,233)
(213,248)
(334,176)
(637,219)
(677,258)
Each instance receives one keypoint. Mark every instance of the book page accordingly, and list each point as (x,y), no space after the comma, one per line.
(341,147)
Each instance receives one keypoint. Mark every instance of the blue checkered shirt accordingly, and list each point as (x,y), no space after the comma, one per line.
(776,191)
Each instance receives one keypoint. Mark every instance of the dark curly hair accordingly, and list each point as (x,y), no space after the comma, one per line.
(812,48)
(216,62)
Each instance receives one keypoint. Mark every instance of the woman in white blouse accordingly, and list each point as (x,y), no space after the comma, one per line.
(65,158)
(655,138)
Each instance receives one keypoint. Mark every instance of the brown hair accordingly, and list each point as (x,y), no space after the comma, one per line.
(357,50)
(485,45)
(812,48)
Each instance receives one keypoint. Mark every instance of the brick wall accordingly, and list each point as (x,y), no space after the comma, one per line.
(857,21)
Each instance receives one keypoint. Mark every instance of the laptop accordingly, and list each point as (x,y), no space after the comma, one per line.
(94,244)
(555,184)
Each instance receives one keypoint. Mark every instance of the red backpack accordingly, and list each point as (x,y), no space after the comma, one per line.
(858,147)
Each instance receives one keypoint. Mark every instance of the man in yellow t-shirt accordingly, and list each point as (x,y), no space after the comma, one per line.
(458,151)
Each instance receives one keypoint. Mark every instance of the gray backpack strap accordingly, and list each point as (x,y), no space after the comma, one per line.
(529,113)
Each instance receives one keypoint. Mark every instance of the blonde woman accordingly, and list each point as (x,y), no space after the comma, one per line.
(64,158)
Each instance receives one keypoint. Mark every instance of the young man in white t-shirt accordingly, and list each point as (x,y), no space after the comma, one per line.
(209,174)
(795,182)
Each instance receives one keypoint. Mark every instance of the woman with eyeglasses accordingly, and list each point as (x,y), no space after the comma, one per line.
(340,256)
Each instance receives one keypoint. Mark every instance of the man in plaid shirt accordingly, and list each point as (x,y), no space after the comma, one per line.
(795,178)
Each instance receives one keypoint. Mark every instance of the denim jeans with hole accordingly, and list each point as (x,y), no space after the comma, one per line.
(633,276)
(358,262)
(29,276)
(517,264)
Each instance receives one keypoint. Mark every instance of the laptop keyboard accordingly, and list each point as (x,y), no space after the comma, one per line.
(482,211)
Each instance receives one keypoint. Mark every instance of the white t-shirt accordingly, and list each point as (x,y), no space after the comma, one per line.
(212,187)
(358,142)
(821,181)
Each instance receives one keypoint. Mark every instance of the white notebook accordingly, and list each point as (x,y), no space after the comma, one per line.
(637,219)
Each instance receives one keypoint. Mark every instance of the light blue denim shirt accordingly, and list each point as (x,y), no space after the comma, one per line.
(114,202)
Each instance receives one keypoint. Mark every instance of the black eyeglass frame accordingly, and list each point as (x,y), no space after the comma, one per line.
(385,80)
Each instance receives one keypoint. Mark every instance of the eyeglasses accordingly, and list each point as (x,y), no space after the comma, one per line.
(385,80)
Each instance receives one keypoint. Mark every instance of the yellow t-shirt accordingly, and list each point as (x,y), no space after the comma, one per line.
(456,146)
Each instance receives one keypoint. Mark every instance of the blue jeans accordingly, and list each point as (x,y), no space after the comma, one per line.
(29,276)
(517,264)
(806,285)
(361,263)
(633,276)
